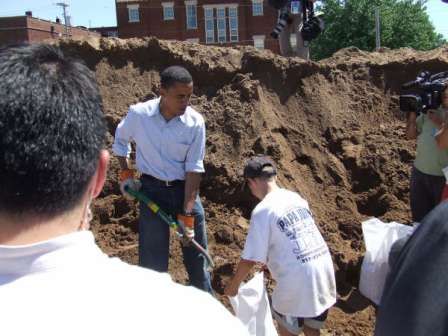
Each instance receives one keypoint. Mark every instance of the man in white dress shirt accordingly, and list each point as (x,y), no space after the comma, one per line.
(170,148)
(54,280)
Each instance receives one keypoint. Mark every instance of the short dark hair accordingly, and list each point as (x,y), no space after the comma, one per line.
(52,130)
(174,74)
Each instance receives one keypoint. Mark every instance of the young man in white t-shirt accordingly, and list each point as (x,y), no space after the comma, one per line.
(283,236)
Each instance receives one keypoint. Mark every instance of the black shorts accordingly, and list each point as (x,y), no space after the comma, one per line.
(295,324)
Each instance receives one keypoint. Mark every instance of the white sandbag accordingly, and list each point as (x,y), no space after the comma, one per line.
(379,238)
(251,306)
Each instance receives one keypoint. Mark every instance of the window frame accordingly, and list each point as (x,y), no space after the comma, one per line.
(231,29)
(132,9)
(221,33)
(257,8)
(191,4)
(259,38)
(166,6)
(212,19)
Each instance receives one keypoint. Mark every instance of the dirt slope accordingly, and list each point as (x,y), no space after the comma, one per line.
(333,127)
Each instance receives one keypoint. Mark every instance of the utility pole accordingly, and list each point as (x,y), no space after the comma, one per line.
(64,6)
(377,27)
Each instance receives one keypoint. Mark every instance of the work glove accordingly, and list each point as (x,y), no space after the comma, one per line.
(187,221)
(127,179)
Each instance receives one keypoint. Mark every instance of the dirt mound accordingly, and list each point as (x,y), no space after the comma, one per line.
(333,127)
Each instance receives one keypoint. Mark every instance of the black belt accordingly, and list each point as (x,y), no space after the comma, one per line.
(161,183)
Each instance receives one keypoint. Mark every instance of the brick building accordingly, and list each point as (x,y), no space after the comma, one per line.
(28,29)
(106,31)
(227,22)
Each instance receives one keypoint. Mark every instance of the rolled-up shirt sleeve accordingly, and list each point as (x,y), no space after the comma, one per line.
(124,134)
(196,153)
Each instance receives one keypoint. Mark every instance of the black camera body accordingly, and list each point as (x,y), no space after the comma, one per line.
(427,93)
(311,28)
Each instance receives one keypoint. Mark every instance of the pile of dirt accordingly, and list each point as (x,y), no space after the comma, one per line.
(333,127)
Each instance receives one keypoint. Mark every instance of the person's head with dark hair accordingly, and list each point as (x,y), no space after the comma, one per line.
(174,74)
(175,91)
(52,161)
(260,174)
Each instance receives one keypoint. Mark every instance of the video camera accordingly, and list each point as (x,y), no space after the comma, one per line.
(427,93)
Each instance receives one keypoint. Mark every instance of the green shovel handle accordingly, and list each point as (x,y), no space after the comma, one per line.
(168,220)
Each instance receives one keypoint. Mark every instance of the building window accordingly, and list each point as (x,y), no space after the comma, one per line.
(233,24)
(221,24)
(258,41)
(209,25)
(257,7)
(133,13)
(293,41)
(168,10)
(192,17)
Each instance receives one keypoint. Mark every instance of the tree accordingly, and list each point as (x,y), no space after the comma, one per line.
(404,23)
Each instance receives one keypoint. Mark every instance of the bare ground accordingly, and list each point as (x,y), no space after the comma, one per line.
(333,127)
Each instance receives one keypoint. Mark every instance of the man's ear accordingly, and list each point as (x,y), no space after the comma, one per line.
(250,181)
(99,178)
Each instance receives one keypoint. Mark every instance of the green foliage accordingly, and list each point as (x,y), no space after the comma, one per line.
(404,23)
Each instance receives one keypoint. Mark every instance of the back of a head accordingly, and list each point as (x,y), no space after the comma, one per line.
(52,130)
(260,166)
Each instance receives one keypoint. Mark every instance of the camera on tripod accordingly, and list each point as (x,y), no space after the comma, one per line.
(427,95)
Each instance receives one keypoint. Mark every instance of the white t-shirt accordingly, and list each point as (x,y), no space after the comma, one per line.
(67,286)
(283,235)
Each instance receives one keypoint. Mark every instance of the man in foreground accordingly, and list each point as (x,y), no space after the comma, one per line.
(54,280)
(283,235)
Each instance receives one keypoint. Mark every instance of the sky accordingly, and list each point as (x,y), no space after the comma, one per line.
(87,13)
(101,13)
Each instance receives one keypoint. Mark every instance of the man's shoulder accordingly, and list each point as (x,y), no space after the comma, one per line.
(147,108)
(160,284)
(193,117)
(158,290)
(285,197)
(278,202)
(293,196)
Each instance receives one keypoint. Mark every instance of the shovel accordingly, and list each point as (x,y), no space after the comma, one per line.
(180,229)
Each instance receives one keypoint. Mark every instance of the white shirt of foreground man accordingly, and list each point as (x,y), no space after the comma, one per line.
(67,286)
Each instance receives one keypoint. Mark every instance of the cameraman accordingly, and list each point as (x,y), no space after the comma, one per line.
(295,22)
(427,178)
(442,135)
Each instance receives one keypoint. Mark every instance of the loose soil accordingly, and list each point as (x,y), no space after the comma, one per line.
(333,127)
